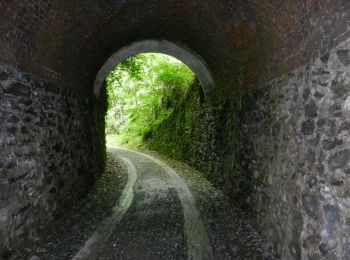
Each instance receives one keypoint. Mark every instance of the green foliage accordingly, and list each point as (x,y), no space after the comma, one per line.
(142,93)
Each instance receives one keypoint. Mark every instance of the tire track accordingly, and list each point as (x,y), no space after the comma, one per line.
(105,229)
(199,247)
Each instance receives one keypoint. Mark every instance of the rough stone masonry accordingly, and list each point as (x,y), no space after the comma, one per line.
(299,126)
(46,153)
(283,154)
(281,146)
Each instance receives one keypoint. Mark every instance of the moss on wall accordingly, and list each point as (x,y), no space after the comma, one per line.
(208,138)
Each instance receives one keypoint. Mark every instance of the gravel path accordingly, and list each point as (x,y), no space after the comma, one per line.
(150,179)
(231,232)
(63,239)
(150,209)
(106,227)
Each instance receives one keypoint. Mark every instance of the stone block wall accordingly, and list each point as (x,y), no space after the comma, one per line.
(282,152)
(299,128)
(51,150)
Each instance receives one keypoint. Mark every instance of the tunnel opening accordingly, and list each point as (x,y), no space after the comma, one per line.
(142,93)
(185,55)
(280,127)
(179,69)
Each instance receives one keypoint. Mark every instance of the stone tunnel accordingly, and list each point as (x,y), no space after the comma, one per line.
(278,99)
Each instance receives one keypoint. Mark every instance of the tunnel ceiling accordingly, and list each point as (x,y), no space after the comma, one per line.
(244,42)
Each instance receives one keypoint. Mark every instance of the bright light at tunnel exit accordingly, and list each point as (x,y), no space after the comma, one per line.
(142,93)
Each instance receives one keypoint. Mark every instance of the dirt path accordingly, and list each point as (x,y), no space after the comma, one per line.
(198,245)
(105,229)
(165,210)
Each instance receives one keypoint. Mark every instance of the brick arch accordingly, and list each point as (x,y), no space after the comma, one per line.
(51,52)
(192,60)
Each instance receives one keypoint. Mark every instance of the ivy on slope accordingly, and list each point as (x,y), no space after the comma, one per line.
(143,91)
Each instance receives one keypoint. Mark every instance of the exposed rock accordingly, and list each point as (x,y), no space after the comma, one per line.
(326,126)
(325,58)
(311,109)
(320,72)
(344,57)
(311,205)
(3,75)
(308,127)
(329,144)
(335,110)
(332,216)
(327,246)
(338,88)
(17,89)
(310,156)
(318,95)
(336,182)
(339,159)
(312,182)
(306,94)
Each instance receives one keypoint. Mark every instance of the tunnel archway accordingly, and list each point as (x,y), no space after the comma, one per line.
(281,77)
(192,60)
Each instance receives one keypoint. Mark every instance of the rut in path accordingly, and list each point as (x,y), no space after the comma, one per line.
(160,213)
